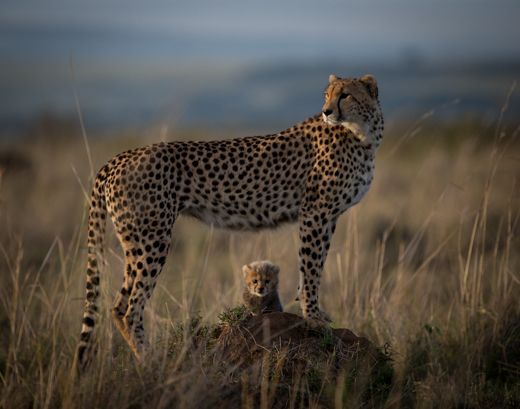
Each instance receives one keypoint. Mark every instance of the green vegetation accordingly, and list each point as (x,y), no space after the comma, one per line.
(426,267)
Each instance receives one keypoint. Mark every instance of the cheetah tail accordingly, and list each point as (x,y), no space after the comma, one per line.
(96,246)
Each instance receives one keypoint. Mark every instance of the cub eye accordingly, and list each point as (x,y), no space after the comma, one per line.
(343,96)
(266,281)
(255,281)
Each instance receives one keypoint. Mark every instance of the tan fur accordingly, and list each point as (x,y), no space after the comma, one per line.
(261,287)
(308,174)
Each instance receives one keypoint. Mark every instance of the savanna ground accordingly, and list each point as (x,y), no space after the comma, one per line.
(427,268)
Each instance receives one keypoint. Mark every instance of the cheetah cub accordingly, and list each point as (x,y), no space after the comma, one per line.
(261,287)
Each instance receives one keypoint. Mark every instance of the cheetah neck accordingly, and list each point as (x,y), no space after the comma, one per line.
(361,132)
(368,134)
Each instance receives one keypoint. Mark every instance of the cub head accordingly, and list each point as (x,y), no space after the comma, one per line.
(261,277)
(353,103)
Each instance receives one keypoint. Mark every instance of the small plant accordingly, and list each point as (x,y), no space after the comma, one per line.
(381,375)
(327,340)
(191,330)
(234,316)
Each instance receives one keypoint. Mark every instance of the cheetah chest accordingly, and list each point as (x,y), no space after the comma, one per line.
(359,183)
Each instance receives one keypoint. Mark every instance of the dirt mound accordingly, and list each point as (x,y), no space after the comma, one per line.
(275,360)
(287,336)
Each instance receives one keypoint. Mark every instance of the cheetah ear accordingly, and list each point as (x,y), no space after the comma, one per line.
(371,84)
(333,78)
(246,270)
(276,270)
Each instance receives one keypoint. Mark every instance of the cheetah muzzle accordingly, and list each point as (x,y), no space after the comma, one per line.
(310,174)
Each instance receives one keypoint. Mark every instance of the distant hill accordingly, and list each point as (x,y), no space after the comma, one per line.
(270,96)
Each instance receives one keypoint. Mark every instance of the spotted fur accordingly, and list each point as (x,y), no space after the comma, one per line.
(310,174)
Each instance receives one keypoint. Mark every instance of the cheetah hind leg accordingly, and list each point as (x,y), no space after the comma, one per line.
(127,316)
(141,272)
(121,306)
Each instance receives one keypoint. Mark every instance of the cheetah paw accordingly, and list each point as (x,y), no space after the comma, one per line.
(321,322)
(325,317)
(317,324)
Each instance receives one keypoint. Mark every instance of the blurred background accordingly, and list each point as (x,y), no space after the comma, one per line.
(427,263)
(247,64)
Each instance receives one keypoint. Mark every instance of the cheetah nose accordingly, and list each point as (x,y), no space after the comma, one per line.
(327,112)
(261,290)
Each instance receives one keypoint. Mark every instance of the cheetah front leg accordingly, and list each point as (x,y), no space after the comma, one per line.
(316,230)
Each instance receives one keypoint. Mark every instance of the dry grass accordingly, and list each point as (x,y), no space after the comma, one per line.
(427,264)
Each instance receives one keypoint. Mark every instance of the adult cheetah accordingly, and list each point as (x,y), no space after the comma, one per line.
(310,174)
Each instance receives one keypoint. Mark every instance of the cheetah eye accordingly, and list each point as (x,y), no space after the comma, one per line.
(344,96)
(266,281)
(255,281)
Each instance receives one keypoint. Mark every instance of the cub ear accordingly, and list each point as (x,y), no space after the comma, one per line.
(371,84)
(276,269)
(333,78)
(246,270)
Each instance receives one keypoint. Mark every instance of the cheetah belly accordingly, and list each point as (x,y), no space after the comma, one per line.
(246,215)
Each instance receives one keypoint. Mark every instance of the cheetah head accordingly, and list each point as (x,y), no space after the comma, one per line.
(261,277)
(353,103)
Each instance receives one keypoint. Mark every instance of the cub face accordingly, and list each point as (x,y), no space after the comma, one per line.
(261,277)
(349,101)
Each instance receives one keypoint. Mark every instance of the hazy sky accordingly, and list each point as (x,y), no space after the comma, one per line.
(256,30)
(135,58)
